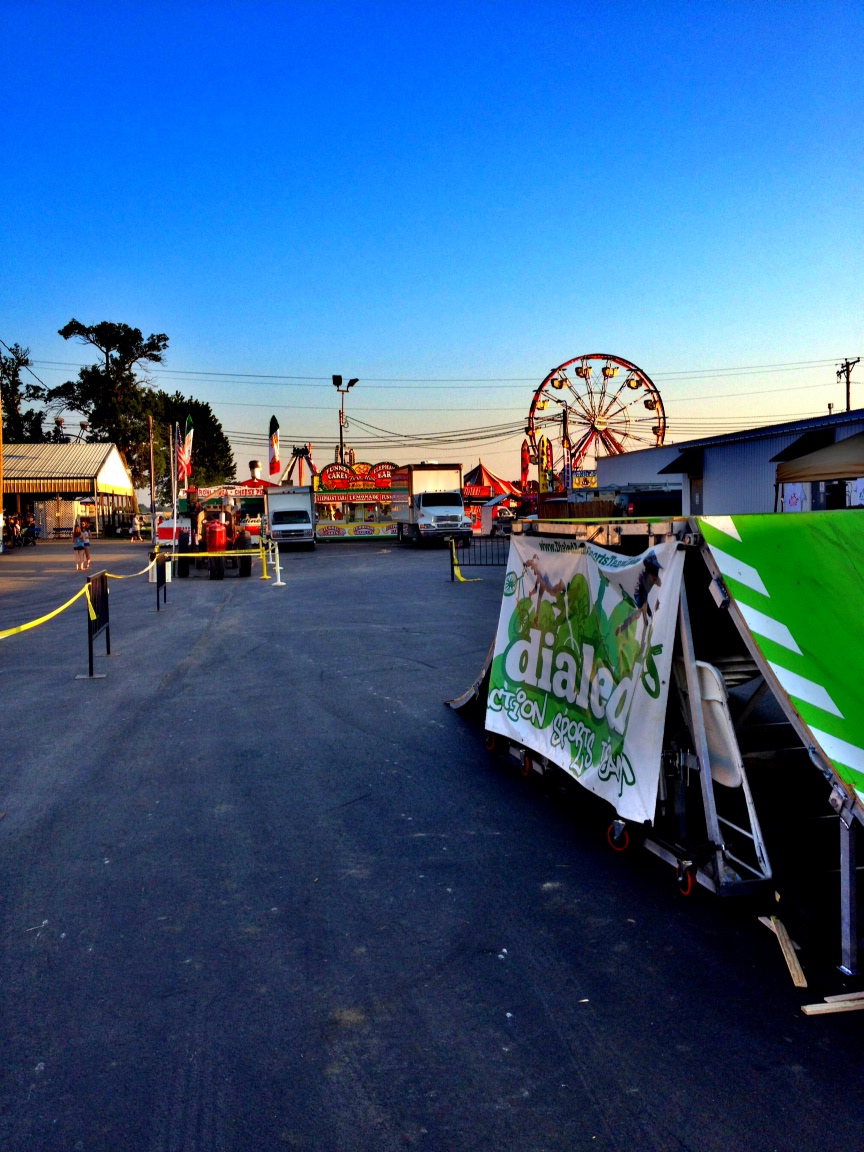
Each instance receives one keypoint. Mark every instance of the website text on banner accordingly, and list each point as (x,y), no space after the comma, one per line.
(582,659)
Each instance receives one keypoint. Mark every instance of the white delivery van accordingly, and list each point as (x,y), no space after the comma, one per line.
(291,515)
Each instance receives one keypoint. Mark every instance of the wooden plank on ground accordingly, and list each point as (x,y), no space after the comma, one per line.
(767,922)
(835,1006)
(795,969)
(844,996)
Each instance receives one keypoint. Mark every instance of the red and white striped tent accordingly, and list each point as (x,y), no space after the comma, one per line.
(480,485)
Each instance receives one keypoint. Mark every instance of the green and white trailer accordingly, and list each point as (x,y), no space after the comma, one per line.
(702,676)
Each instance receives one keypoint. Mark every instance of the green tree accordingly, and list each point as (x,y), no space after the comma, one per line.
(19,426)
(212,458)
(109,394)
(116,400)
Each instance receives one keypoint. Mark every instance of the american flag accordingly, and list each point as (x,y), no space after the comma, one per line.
(184,453)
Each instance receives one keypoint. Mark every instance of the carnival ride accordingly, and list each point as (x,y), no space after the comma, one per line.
(591,406)
(299,453)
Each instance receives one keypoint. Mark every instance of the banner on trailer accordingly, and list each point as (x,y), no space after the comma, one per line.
(325,530)
(582,659)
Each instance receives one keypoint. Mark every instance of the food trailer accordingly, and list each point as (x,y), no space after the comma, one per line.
(353,501)
(701,678)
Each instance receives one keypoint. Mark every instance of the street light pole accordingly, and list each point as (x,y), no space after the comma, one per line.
(337,384)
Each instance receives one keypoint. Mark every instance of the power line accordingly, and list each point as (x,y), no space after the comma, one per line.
(499,433)
(27,366)
(372,436)
(678,375)
(668,403)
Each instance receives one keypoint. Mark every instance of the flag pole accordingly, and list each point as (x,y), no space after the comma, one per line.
(154,543)
(174,434)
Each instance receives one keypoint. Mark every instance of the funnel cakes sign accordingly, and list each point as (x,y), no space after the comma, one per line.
(354,483)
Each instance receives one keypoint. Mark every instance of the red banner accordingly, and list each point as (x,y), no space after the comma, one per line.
(352,481)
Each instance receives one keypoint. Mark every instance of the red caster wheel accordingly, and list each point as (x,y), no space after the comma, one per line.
(617,836)
(686,880)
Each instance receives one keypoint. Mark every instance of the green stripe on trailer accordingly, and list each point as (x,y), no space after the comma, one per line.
(799,584)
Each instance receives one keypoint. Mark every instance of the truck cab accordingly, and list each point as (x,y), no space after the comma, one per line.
(428,505)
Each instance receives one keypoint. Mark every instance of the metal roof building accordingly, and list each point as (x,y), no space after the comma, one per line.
(35,475)
(737,473)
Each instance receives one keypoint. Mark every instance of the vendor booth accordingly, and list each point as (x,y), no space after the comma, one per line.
(700,678)
(830,477)
(353,501)
(242,503)
(239,504)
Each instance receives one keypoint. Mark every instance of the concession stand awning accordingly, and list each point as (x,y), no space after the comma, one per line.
(841,461)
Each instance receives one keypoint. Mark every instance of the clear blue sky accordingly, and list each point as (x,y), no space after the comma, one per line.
(431,190)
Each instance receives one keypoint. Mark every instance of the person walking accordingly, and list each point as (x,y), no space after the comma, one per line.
(77,545)
(85,544)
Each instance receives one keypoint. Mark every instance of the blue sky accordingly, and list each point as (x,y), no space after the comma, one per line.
(415,193)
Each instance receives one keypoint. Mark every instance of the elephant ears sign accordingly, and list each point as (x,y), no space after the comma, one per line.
(582,660)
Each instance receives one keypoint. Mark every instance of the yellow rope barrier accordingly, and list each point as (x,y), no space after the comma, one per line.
(131,575)
(85,591)
(91,611)
(462,579)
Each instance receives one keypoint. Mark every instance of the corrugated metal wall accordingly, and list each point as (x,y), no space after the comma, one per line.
(638,467)
(739,478)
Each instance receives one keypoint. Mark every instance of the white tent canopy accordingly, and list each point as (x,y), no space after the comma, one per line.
(841,461)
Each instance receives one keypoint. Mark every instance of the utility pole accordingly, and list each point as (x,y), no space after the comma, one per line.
(152,486)
(845,370)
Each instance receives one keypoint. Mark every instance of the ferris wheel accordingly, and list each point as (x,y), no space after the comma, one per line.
(592,406)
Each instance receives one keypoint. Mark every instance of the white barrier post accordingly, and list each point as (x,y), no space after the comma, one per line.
(280,583)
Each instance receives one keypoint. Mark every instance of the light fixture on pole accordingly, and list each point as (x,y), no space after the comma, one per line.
(337,384)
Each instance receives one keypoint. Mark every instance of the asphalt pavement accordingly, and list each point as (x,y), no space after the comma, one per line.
(263,890)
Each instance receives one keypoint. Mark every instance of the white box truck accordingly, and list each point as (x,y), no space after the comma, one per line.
(290,510)
(427,503)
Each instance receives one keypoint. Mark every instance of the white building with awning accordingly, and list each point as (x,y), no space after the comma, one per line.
(57,482)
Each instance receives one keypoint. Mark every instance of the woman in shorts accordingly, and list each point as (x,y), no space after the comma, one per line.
(77,546)
(85,544)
